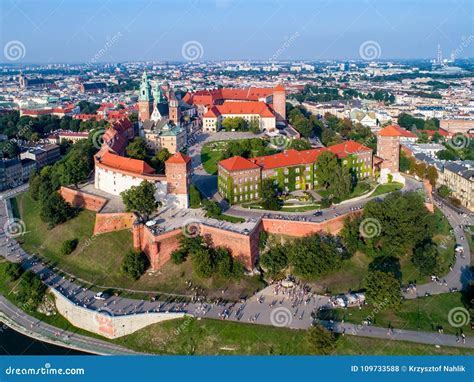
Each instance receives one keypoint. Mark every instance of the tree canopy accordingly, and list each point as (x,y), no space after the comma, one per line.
(141,199)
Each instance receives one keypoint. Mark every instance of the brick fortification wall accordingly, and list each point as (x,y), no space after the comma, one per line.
(159,248)
(243,247)
(113,222)
(81,199)
(300,229)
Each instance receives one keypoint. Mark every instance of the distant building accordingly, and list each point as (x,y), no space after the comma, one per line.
(459,178)
(165,121)
(266,105)
(26,83)
(11,173)
(93,87)
(250,111)
(43,155)
(28,166)
(72,136)
(117,136)
(454,126)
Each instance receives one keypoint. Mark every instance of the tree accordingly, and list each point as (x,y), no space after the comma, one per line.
(202,263)
(254,126)
(420,170)
(234,123)
(179,256)
(300,144)
(404,162)
(447,155)
(341,183)
(137,149)
(140,199)
(212,208)
(13,271)
(269,199)
(134,264)
(55,210)
(274,260)
(399,222)
(31,291)
(326,164)
(195,197)
(444,191)
(315,255)
(432,175)
(9,149)
(350,234)
(383,289)
(158,161)
(425,257)
(321,341)
(69,246)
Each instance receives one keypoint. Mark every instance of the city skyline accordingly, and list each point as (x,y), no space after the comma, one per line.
(226,30)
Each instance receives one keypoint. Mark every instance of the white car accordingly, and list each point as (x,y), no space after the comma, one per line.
(101,296)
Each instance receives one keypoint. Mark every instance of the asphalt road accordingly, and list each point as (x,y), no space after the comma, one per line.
(32,327)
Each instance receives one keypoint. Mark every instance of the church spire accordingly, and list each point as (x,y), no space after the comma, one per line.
(145,89)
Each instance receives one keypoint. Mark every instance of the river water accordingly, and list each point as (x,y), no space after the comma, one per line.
(14,343)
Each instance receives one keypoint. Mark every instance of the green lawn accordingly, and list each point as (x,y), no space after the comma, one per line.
(389,187)
(423,314)
(210,157)
(301,208)
(211,337)
(97,259)
(360,189)
(211,154)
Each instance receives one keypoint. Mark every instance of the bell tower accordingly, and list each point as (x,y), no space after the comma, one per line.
(173,104)
(145,99)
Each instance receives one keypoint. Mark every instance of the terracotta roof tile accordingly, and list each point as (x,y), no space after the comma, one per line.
(118,162)
(178,158)
(237,163)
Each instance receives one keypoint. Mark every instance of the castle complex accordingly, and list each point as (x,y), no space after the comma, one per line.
(115,173)
(240,179)
(164,121)
(265,106)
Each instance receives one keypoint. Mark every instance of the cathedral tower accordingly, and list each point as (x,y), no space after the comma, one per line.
(145,99)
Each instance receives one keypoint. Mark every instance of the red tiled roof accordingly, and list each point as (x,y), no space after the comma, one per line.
(125,164)
(395,131)
(288,158)
(178,158)
(209,97)
(348,147)
(88,116)
(293,157)
(237,163)
(430,133)
(260,108)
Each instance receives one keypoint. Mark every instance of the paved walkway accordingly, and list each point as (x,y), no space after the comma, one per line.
(400,335)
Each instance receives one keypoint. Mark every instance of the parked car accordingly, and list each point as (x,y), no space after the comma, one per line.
(101,296)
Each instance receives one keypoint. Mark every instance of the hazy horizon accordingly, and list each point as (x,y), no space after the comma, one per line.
(55,31)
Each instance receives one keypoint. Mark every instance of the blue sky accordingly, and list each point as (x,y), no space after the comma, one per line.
(119,30)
